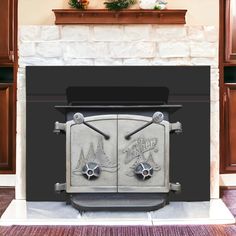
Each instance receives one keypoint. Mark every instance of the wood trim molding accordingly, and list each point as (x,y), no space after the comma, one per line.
(230,31)
(133,16)
(7,163)
(10,167)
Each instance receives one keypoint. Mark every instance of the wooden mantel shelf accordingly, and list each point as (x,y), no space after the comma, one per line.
(103,16)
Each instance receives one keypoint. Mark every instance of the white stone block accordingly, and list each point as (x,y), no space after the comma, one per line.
(29,33)
(20,189)
(77,62)
(213,62)
(211,33)
(203,49)
(21,81)
(214,75)
(141,62)
(50,32)
(75,33)
(166,33)
(138,33)
(37,61)
(173,49)
(214,91)
(107,62)
(26,49)
(85,50)
(21,94)
(49,49)
(159,61)
(132,49)
(108,33)
(172,61)
(179,61)
(196,33)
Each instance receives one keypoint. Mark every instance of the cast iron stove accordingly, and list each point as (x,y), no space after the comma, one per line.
(117,155)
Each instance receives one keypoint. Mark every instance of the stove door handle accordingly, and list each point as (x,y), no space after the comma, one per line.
(157,118)
(79,119)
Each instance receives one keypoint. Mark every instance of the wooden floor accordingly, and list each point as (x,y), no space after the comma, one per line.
(6,196)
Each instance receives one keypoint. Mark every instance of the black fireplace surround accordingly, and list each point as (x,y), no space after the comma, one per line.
(51,90)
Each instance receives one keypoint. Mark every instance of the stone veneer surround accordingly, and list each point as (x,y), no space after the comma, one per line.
(117,45)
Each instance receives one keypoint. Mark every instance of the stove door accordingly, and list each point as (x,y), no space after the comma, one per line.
(143,160)
(92,159)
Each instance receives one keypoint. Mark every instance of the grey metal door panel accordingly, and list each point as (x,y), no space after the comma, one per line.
(147,146)
(87,146)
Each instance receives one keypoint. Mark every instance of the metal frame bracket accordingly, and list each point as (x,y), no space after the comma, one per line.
(59,128)
(176,127)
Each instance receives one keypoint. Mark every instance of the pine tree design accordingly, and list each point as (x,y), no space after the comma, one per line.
(152,163)
(80,163)
(98,157)
(91,154)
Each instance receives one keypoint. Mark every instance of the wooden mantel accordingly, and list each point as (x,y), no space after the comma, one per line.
(133,16)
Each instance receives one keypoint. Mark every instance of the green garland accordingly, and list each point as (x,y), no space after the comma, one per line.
(117,5)
(77,4)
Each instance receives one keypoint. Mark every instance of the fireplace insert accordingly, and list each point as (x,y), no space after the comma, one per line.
(117,148)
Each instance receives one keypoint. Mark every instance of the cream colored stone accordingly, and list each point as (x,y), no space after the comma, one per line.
(85,50)
(173,49)
(79,62)
(108,33)
(214,91)
(138,33)
(132,50)
(32,61)
(211,33)
(172,61)
(215,74)
(167,33)
(203,49)
(143,62)
(26,49)
(107,62)
(21,79)
(196,33)
(75,33)
(49,49)
(50,32)
(159,61)
(30,33)
(20,188)
(213,62)
(179,62)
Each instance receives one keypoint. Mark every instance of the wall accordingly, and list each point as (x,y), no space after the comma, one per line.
(200,12)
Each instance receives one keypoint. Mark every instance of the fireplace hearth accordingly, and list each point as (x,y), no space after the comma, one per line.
(117,158)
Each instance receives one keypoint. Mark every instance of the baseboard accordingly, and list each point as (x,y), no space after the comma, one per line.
(228,180)
(7,180)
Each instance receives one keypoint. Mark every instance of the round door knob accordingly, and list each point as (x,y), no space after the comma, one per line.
(143,171)
(91,171)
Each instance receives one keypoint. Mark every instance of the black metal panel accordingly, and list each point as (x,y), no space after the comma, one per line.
(190,151)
